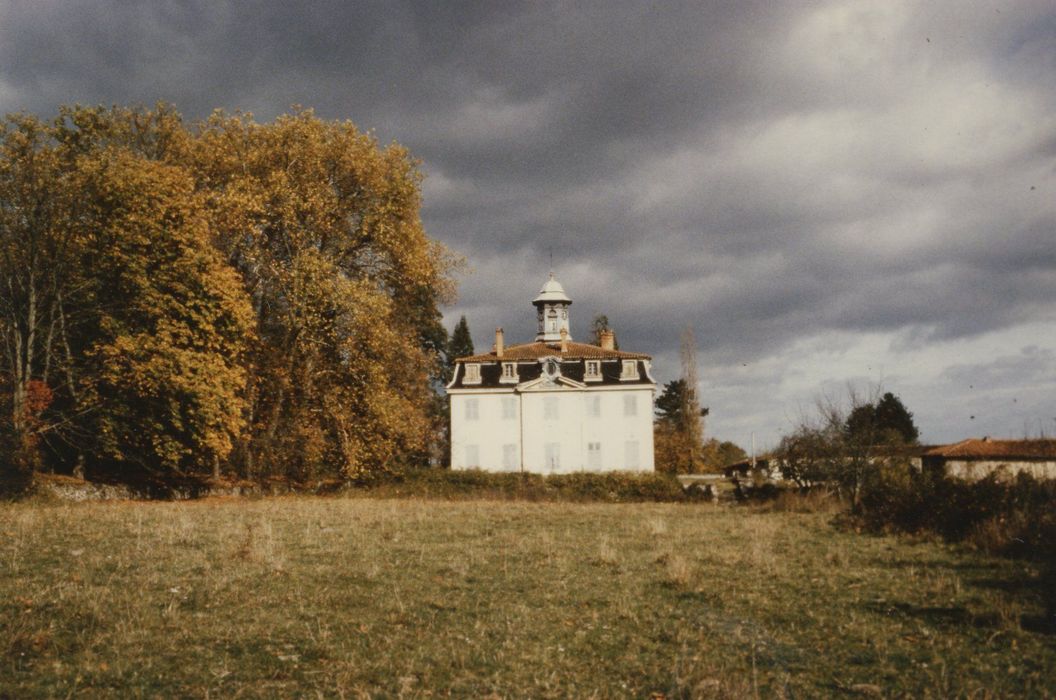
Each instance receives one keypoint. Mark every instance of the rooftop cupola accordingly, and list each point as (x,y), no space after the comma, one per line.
(551,308)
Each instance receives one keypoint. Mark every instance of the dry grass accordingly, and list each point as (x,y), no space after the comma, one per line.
(293,597)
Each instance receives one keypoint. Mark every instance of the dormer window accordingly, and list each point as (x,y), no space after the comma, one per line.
(472,373)
(630,370)
(592,372)
(509,373)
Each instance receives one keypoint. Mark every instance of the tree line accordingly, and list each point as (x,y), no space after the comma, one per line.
(680,444)
(223,297)
(847,442)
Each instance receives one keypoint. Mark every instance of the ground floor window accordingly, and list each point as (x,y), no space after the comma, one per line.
(553,456)
(593,455)
(509,458)
(630,454)
(473,456)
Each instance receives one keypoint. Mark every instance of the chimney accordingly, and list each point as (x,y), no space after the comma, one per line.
(564,340)
(608,340)
(500,342)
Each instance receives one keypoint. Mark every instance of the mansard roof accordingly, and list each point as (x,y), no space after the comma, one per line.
(572,368)
(539,350)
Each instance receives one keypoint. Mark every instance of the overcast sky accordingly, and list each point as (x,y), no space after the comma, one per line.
(826,192)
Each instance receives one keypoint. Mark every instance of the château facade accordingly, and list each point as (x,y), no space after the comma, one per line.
(552,405)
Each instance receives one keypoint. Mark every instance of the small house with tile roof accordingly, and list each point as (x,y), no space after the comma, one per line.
(976,458)
(552,405)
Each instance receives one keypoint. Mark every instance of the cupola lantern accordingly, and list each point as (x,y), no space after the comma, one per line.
(551,308)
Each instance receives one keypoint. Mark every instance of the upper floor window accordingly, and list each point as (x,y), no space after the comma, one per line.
(509,408)
(593,405)
(509,372)
(592,371)
(630,369)
(550,408)
(472,409)
(472,374)
(630,405)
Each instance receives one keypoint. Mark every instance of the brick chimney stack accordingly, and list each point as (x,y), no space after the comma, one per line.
(564,340)
(500,342)
(608,340)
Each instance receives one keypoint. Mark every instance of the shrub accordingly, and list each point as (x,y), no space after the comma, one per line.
(1001,516)
(612,487)
(815,500)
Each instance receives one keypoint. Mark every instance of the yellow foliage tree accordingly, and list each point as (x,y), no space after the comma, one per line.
(324,228)
(167,323)
(260,296)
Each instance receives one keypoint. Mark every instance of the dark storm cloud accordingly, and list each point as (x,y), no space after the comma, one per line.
(794,181)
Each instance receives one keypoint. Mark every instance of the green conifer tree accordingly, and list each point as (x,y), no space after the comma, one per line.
(461,343)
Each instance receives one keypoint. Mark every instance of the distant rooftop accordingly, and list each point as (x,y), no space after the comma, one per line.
(989,448)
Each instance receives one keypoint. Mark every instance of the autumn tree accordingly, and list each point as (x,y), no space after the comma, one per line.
(672,415)
(166,325)
(692,413)
(721,453)
(323,227)
(230,295)
(678,431)
(125,326)
(33,260)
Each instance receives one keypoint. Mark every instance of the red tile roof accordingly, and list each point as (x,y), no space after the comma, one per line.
(903,450)
(987,448)
(535,351)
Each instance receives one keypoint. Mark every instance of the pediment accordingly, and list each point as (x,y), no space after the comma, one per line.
(547,384)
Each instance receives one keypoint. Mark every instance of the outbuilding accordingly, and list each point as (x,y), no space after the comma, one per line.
(976,458)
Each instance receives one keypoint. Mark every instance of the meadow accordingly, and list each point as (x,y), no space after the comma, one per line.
(362,597)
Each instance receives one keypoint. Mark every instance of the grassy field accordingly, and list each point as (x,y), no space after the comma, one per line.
(349,597)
